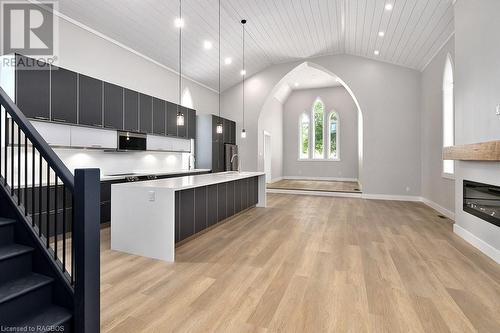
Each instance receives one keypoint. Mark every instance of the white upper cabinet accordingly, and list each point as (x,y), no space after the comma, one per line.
(83,137)
(54,134)
(160,143)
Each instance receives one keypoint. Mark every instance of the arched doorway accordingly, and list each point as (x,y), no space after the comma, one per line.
(284,88)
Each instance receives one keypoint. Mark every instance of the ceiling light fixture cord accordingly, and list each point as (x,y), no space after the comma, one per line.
(219,61)
(179,115)
(243,24)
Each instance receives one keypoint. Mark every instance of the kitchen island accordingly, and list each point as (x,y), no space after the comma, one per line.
(148,218)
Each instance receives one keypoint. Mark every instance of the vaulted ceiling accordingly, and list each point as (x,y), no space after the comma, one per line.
(278,31)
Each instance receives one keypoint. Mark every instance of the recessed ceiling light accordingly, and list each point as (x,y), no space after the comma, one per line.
(207,45)
(243,72)
(296,84)
(228,61)
(381,34)
(376,52)
(388,6)
(179,22)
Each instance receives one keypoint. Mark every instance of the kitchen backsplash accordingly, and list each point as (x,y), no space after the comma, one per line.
(123,162)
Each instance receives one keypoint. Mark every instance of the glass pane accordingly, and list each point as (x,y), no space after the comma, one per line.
(448,115)
(304,137)
(318,113)
(333,137)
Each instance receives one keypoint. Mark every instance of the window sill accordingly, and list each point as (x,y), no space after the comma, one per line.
(318,160)
(449,176)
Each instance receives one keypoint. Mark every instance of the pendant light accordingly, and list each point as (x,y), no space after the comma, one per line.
(219,123)
(180,115)
(243,131)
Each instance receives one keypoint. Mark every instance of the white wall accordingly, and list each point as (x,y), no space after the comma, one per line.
(477,89)
(87,53)
(335,99)
(271,121)
(389,97)
(435,187)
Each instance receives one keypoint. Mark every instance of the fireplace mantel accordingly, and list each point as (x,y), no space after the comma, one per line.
(484,151)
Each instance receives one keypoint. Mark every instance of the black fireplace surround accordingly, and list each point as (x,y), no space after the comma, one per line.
(483,201)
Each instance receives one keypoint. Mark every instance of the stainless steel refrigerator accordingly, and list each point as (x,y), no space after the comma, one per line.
(231,157)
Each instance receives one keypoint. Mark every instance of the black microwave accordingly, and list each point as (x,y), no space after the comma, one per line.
(131,141)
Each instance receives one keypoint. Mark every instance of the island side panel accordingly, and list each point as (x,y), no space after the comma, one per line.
(143,221)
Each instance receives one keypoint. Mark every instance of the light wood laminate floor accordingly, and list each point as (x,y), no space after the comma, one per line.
(309,264)
(315,185)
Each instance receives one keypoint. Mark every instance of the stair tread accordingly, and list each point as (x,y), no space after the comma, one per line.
(12,250)
(17,287)
(6,221)
(51,316)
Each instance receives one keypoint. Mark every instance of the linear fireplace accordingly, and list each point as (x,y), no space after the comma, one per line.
(483,201)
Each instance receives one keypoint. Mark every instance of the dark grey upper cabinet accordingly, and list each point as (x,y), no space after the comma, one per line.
(113,106)
(64,95)
(191,124)
(159,116)
(60,95)
(171,119)
(182,130)
(33,91)
(131,111)
(217,136)
(232,130)
(145,113)
(229,131)
(90,101)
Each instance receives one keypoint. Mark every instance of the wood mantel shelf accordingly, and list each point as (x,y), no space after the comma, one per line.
(484,151)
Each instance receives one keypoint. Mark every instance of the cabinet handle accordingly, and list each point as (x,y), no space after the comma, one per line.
(41,118)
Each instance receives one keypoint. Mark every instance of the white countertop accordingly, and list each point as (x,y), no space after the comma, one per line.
(157,173)
(186,182)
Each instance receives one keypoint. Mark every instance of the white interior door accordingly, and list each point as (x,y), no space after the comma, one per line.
(267,156)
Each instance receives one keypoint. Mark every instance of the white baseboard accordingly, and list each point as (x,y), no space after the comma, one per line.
(321,178)
(446,212)
(316,193)
(478,243)
(391,197)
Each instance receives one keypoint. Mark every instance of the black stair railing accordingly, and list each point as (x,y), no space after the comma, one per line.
(61,209)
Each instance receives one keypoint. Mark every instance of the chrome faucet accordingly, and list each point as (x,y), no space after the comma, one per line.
(238,159)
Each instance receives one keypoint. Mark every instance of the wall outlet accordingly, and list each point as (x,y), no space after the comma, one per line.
(152,196)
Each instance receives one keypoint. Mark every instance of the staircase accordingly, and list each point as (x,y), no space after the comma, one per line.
(49,234)
(26,297)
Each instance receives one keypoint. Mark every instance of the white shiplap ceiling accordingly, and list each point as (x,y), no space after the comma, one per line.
(278,31)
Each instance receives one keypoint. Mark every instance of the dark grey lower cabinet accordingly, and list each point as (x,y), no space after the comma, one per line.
(212,205)
(177,216)
(202,207)
(244,194)
(186,212)
(230,199)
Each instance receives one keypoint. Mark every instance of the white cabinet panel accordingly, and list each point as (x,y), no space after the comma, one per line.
(160,143)
(54,134)
(181,144)
(83,137)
